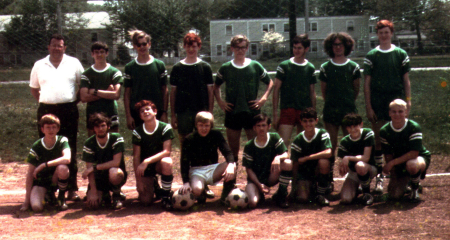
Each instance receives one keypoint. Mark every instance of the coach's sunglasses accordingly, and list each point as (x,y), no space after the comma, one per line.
(141,44)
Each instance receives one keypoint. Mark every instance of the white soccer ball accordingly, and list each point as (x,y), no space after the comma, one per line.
(237,199)
(183,201)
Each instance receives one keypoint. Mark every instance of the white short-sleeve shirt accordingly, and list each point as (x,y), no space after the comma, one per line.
(57,85)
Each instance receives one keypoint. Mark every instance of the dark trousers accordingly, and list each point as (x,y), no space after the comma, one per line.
(68,116)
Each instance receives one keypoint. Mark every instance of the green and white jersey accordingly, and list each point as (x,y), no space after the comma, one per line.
(101,79)
(145,81)
(355,147)
(151,143)
(191,81)
(40,153)
(242,83)
(400,141)
(296,80)
(301,146)
(93,152)
(340,94)
(386,68)
(259,158)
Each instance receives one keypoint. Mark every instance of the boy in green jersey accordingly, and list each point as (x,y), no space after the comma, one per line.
(265,159)
(339,82)
(105,165)
(191,88)
(242,76)
(356,157)
(100,87)
(386,77)
(145,79)
(152,144)
(407,160)
(47,167)
(312,150)
(294,89)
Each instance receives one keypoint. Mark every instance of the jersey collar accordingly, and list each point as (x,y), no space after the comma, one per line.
(101,70)
(45,146)
(339,64)
(147,63)
(355,140)
(316,130)
(298,64)
(386,51)
(190,64)
(265,144)
(400,129)
(150,133)
(102,147)
(246,63)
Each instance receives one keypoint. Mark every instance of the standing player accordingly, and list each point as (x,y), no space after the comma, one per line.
(105,167)
(191,87)
(47,167)
(199,159)
(145,79)
(294,88)
(152,144)
(100,87)
(312,150)
(407,160)
(265,159)
(386,78)
(242,76)
(357,159)
(340,79)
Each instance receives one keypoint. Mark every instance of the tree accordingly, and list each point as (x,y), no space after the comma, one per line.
(274,40)
(339,7)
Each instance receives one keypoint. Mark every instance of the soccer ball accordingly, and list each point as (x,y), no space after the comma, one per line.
(237,199)
(183,201)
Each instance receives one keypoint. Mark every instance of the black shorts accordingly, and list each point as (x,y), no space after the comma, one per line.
(102,180)
(44,178)
(239,120)
(150,171)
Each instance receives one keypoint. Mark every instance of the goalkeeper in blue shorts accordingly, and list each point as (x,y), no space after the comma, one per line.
(47,167)
(407,160)
(356,158)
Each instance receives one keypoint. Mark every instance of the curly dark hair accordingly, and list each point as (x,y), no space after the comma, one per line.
(308,113)
(351,119)
(96,119)
(346,40)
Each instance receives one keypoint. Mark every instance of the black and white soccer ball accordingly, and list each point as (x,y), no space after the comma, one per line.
(183,201)
(237,199)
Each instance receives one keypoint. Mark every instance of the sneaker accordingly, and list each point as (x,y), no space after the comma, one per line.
(73,196)
(106,199)
(321,200)
(117,201)
(209,194)
(379,184)
(62,202)
(415,196)
(367,199)
(280,200)
(50,198)
(166,203)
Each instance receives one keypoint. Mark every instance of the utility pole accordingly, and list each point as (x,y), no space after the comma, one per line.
(307,16)
(292,25)
(58,14)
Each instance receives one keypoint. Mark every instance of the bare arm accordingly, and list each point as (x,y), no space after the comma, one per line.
(165,92)
(173,116)
(114,163)
(64,159)
(112,93)
(226,107)
(126,103)
(356,85)
(28,187)
(36,93)
(369,111)
(277,161)
(312,94)
(86,97)
(323,89)
(258,103)
(252,176)
(407,86)
(320,155)
(390,163)
(93,200)
(275,100)
(167,146)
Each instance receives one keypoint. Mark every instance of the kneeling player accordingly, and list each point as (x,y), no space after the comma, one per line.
(406,157)
(357,158)
(47,166)
(266,160)
(199,159)
(105,167)
(152,144)
(310,153)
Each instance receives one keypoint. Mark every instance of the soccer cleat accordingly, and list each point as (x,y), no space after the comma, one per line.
(379,184)
(62,201)
(117,201)
(123,196)
(280,200)
(73,196)
(157,189)
(415,197)
(166,203)
(50,198)
(209,194)
(367,199)
(359,190)
(321,200)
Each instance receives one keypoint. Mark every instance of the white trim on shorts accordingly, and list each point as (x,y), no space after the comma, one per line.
(205,172)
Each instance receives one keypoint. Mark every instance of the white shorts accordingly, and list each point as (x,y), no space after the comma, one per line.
(354,176)
(205,172)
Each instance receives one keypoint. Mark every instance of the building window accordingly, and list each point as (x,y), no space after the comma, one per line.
(254,49)
(268,27)
(94,37)
(12,59)
(219,50)
(371,29)
(229,30)
(350,26)
(313,27)
(360,44)
(313,47)
(229,53)
(373,44)
(286,27)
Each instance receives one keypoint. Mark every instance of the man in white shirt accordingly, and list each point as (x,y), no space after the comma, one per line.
(53,81)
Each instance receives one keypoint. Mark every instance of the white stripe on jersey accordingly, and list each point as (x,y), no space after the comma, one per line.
(367,62)
(342,148)
(117,74)
(248,157)
(119,140)
(279,143)
(163,74)
(88,150)
(296,148)
(280,69)
(167,128)
(325,136)
(356,69)
(415,136)
(32,152)
(127,76)
(136,134)
(219,75)
(405,61)
(263,75)
(368,135)
(383,141)
(322,70)
(84,78)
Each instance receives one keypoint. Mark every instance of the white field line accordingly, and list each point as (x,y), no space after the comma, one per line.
(177,185)
(271,72)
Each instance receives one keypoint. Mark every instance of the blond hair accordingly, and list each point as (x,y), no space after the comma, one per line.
(204,117)
(398,102)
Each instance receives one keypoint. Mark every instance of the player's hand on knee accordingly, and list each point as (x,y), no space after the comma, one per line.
(387,168)
(343,169)
(141,169)
(275,165)
(38,169)
(185,188)
(265,189)
(229,173)
(130,123)
(87,172)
